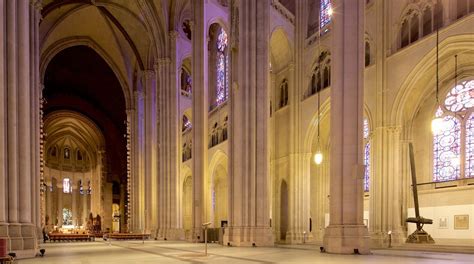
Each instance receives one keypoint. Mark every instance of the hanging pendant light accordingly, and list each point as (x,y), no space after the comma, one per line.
(437,124)
(318,156)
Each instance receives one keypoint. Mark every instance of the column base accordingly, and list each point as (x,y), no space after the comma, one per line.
(248,236)
(170,234)
(383,240)
(346,239)
(294,237)
(21,239)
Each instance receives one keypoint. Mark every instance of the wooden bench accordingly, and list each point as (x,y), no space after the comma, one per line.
(60,237)
(127,236)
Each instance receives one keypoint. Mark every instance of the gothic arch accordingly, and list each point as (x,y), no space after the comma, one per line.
(50,52)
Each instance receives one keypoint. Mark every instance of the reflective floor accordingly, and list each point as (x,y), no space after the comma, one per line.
(182,252)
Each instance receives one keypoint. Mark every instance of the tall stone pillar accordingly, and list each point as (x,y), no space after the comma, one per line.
(148,79)
(49,205)
(60,203)
(200,114)
(386,188)
(18,127)
(386,185)
(346,231)
(299,175)
(249,221)
(85,208)
(74,210)
(169,144)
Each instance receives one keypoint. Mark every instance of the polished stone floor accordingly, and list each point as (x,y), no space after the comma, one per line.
(183,252)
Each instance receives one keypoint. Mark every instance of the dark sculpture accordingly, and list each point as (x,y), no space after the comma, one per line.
(420,235)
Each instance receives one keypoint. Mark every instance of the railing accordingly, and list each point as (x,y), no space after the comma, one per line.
(445,184)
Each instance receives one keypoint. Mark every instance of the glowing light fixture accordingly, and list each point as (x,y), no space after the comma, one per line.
(330,11)
(318,157)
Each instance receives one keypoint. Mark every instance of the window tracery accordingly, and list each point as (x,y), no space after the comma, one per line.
(453,145)
(325,13)
(428,14)
(321,76)
(366,133)
(221,68)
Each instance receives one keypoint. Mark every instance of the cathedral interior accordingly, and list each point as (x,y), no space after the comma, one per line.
(245,123)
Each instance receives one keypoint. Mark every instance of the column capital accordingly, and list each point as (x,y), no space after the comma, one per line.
(162,62)
(147,74)
(173,34)
(139,94)
(37,4)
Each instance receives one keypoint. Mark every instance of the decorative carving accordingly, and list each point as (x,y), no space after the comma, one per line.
(283,11)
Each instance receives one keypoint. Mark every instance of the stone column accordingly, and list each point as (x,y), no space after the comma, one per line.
(3,130)
(18,173)
(85,209)
(60,203)
(199,113)
(299,175)
(74,191)
(249,221)
(385,188)
(148,81)
(138,158)
(346,231)
(169,143)
(49,204)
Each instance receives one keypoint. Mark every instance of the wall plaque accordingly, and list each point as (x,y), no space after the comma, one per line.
(461,222)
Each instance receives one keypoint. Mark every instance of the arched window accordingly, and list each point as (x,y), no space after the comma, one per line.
(325,13)
(67,155)
(81,187)
(186,82)
(366,155)
(219,57)
(79,155)
(367,53)
(186,123)
(186,26)
(284,93)
(405,38)
(453,145)
(53,152)
(67,188)
(415,28)
(427,27)
(321,77)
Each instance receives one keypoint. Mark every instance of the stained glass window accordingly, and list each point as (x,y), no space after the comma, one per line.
(366,156)
(470,147)
(450,151)
(221,68)
(67,188)
(325,13)
(447,150)
(186,82)
(367,167)
(461,97)
(81,188)
(186,123)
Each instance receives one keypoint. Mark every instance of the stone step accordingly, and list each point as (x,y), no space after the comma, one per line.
(468,249)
